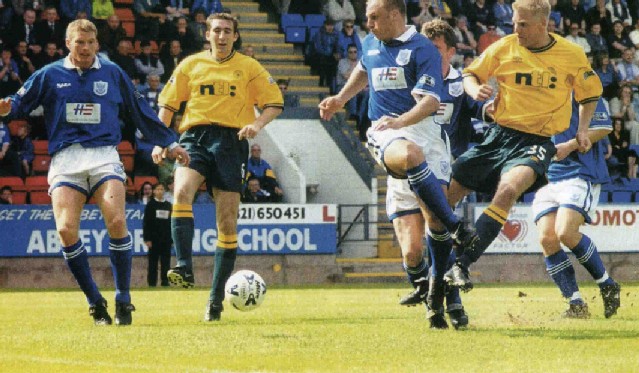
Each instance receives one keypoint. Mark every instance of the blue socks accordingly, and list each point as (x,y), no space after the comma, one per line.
(417,272)
(439,245)
(562,272)
(424,183)
(182,231)
(121,254)
(588,256)
(78,262)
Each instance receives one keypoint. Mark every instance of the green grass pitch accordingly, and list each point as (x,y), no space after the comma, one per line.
(345,328)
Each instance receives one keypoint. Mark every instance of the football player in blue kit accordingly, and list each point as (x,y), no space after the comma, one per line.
(569,201)
(82,96)
(403,70)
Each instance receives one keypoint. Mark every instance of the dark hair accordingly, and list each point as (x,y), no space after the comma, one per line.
(283,81)
(6,187)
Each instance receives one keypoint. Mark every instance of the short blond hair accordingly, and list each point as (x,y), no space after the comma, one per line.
(539,8)
(80,25)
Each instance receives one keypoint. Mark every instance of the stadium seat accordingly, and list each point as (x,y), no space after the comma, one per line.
(291,19)
(621,196)
(40,147)
(127,156)
(604,196)
(129,27)
(314,20)
(311,32)
(41,164)
(39,198)
(123,2)
(125,14)
(38,187)
(154,47)
(17,187)
(139,180)
(295,35)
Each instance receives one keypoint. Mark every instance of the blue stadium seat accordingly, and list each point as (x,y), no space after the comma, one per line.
(314,20)
(621,196)
(289,20)
(604,196)
(295,35)
(312,31)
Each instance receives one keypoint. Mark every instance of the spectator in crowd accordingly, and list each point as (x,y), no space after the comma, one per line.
(10,80)
(188,39)
(622,155)
(168,194)
(50,54)
(608,75)
(25,65)
(624,106)
(20,6)
(6,195)
(487,38)
(10,164)
(338,11)
(50,28)
(619,12)
(290,99)
(281,6)
(171,58)
(305,7)
(601,15)
(69,9)
(344,69)
(6,14)
(21,144)
(618,41)
(209,6)
(479,14)
(198,25)
(145,193)
(26,30)
(102,10)
(259,168)
(348,37)
(597,42)
(82,15)
(466,42)
(634,38)
(628,70)
(110,35)
(249,51)
(153,91)
(177,8)
(574,37)
(555,18)
(122,57)
(148,15)
(503,13)
(254,193)
(429,10)
(156,231)
(147,64)
(325,53)
(574,13)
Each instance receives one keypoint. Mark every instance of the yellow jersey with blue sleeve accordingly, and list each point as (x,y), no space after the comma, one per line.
(536,85)
(221,93)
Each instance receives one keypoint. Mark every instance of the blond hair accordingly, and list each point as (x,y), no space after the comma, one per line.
(80,25)
(538,8)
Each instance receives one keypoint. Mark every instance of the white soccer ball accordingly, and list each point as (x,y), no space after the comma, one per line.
(245,290)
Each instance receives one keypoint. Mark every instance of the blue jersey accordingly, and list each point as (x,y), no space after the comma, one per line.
(84,107)
(409,64)
(456,111)
(590,166)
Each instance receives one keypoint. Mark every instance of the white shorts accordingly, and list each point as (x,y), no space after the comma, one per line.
(85,169)
(577,194)
(400,199)
(426,134)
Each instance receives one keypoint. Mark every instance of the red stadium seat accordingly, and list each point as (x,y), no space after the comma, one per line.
(39,198)
(125,14)
(36,183)
(41,164)
(17,187)
(139,180)
(40,147)
(127,156)
(129,27)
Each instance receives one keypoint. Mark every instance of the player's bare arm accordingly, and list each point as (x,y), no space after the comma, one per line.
(250,131)
(426,106)
(5,106)
(585,116)
(476,90)
(356,82)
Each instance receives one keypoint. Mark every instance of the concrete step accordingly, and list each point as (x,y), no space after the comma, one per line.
(277,69)
(258,27)
(242,6)
(372,270)
(250,16)
(300,80)
(280,58)
(309,102)
(276,48)
(261,37)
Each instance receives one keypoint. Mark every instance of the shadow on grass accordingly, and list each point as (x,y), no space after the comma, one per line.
(581,334)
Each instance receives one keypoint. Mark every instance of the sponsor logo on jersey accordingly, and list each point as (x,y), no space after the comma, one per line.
(22,91)
(403,57)
(100,88)
(271,80)
(455,89)
(537,78)
(388,78)
(427,80)
(63,85)
(86,113)
(600,115)
(588,74)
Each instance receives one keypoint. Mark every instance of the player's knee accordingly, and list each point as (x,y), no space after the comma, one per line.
(507,192)
(183,197)
(568,237)
(549,243)
(116,225)
(68,234)
(414,155)
(412,259)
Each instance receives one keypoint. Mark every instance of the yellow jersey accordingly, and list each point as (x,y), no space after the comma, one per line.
(219,92)
(536,86)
